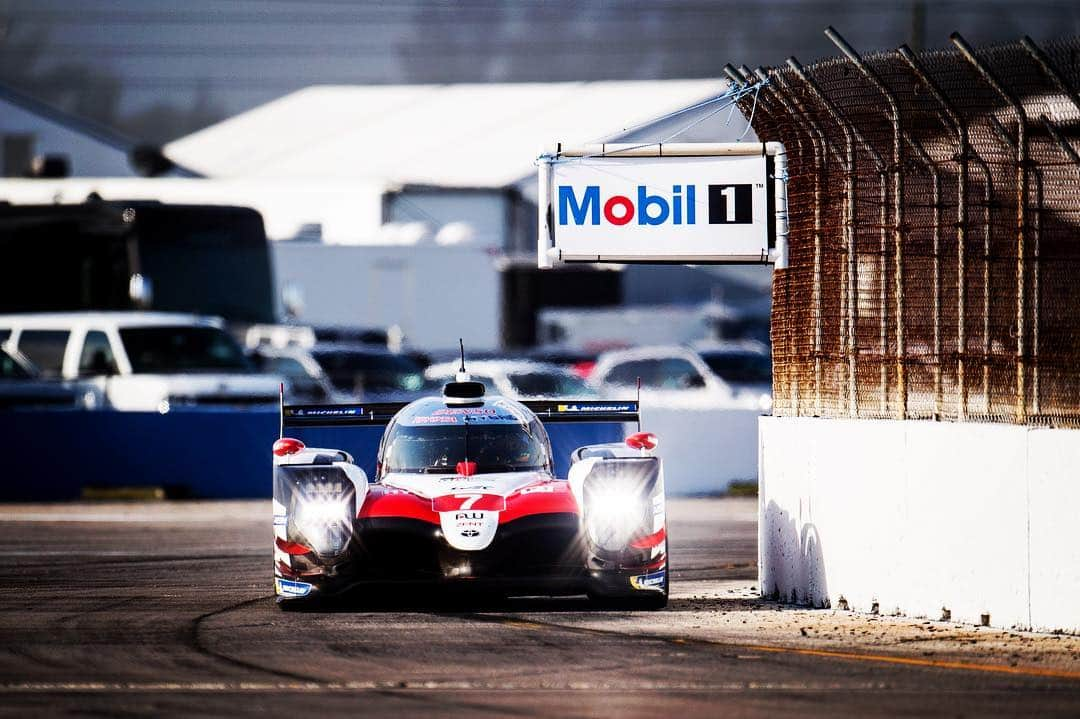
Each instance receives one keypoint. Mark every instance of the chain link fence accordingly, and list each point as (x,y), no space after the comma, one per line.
(935,233)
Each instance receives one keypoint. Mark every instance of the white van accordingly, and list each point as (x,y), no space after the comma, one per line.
(141,361)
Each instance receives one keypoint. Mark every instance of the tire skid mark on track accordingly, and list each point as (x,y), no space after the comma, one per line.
(67,620)
(520,622)
(608,665)
(197,643)
(624,662)
(388,689)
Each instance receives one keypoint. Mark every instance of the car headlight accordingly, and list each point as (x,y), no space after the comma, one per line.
(324,520)
(613,514)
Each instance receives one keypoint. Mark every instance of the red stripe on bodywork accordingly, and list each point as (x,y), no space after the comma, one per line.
(292,547)
(388,502)
(652,566)
(550,497)
(650,541)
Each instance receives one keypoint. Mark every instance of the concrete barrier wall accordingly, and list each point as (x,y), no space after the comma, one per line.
(922,517)
(704,449)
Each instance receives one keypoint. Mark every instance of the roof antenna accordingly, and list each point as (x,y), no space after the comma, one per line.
(462,375)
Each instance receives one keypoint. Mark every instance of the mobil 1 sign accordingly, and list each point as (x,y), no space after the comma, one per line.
(658,208)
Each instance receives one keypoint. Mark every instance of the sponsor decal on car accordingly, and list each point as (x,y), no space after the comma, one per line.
(290,588)
(328,412)
(465,501)
(596,408)
(652,580)
(471,411)
(434,420)
(280,520)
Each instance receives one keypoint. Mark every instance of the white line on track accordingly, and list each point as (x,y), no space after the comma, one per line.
(88,517)
(133,687)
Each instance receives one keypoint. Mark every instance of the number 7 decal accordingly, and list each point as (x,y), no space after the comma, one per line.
(471,500)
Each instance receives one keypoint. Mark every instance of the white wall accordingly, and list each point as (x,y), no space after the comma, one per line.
(921,516)
(704,449)
(436,294)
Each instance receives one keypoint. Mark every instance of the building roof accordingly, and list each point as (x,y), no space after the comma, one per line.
(34,112)
(466,135)
(81,125)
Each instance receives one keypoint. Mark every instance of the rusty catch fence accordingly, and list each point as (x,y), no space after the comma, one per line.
(935,233)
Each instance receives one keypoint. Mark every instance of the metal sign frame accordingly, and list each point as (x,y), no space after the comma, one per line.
(548,253)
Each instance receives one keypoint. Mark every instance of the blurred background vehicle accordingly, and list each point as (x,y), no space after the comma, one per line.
(142,361)
(130,255)
(370,373)
(664,368)
(298,335)
(517,379)
(579,361)
(303,376)
(21,386)
(737,377)
(745,365)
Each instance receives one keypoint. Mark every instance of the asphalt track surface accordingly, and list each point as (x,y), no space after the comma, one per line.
(166,609)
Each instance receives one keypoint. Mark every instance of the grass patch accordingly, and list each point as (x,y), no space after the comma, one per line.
(742,489)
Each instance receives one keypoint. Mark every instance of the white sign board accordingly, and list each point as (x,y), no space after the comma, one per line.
(693,209)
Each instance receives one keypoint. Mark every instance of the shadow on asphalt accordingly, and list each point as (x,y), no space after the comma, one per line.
(446,602)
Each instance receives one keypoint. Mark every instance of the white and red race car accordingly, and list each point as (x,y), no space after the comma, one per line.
(465,494)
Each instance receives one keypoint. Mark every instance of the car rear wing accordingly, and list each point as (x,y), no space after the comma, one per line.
(380,413)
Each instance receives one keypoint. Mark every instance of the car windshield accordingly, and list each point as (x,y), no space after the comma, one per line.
(548,384)
(747,367)
(182,349)
(359,371)
(438,449)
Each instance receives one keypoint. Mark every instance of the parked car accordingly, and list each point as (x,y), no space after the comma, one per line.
(580,362)
(660,368)
(142,361)
(307,336)
(21,387)
(304,379)
(370,373)
(516,379)
(746,366)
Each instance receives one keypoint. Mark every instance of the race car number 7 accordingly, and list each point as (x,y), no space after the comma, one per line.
(469,500)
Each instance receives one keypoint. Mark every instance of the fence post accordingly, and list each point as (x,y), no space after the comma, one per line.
(1021,220)
(849,235)
(788,372)
(960,129)
(898,213)
(820,145)
(1051,72)
(851,134)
